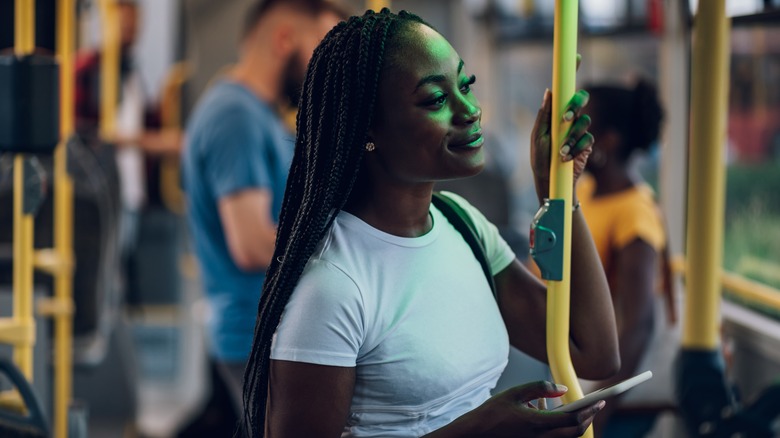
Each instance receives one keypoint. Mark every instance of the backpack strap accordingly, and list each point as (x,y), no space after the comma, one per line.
(465,226)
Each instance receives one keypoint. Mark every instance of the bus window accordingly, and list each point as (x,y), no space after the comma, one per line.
(752,227)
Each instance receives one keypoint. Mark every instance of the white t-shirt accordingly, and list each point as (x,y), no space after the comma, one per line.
(415,316)
(130,159)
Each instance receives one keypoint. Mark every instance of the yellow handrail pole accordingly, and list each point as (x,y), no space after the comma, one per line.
(561,182)
(170,190)
(706,176)
(738,285)
(377,5)
(109,68)
(63,222)
(24,44)
(24,27)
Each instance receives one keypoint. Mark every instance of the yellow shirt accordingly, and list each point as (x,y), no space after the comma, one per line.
(617,219)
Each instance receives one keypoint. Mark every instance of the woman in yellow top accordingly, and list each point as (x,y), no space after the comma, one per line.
(626,225)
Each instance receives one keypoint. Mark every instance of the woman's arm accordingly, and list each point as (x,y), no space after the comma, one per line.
(313,401)
(523,298)
(307,400)
(634,282)
(593,340)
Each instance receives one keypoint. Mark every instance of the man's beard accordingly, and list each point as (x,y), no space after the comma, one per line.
(292,79)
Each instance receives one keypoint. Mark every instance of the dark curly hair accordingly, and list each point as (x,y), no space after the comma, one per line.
(335,113)
(635,113)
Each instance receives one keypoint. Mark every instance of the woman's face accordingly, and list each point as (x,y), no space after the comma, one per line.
(427,124)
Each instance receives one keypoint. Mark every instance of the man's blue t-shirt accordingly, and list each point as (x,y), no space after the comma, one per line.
(235,141)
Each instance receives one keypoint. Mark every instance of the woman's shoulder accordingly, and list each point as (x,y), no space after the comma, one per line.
(641,197)
(640,217)
(474,214)
(323,275)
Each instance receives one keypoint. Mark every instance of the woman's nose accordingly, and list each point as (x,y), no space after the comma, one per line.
(470,113)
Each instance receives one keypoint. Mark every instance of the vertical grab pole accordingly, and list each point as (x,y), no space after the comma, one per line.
(706,176)
(63,222)
(24,44)
(561,182)
(109,68)
(24,27)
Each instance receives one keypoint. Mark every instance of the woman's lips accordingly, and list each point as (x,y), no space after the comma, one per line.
(472,141)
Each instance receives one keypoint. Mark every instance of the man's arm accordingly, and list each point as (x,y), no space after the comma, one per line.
(249,229)
(158,142)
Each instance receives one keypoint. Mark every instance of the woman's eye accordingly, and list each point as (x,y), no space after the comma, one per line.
(437,101)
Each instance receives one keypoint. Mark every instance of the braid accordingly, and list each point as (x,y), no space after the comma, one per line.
(336,109)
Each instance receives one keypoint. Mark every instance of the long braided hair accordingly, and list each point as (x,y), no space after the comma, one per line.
(334,117)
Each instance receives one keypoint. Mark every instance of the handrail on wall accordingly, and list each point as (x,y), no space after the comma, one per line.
(740,286)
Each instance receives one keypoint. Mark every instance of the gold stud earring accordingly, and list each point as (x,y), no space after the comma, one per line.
(370,146)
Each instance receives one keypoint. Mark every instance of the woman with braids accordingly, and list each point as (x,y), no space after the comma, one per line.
(629,234)
(376,319)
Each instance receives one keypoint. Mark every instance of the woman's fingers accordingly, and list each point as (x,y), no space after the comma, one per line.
(581,160)
(576,104)
(544,117)
(540,137)
(577,422)
(585,143)
(536,390)
(578,139)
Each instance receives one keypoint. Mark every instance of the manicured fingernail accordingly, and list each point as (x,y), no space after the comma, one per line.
(565,150)
(601,404)
(561,388)
(546,93)
(568,116)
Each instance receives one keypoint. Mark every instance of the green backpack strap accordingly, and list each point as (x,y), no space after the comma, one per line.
(465,226)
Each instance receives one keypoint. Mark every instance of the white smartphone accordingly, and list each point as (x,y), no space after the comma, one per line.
(601,394)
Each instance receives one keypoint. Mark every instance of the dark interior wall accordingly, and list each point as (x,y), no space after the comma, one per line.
(211,32)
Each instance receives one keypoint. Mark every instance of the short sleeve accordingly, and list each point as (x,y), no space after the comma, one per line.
(233,159)
(497,251)
(323,323)
(641,221)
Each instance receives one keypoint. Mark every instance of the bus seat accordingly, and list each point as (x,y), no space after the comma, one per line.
(96,283)
(14,424)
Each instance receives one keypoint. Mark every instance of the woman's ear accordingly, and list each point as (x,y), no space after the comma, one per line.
(283,38)
(609,141)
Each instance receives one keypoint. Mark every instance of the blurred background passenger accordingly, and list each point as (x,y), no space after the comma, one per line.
(235,166)
(137,121)
(628,230)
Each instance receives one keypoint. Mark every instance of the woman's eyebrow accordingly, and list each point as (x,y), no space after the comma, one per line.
(435,78)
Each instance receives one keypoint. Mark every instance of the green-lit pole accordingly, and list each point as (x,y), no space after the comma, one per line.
(561,187)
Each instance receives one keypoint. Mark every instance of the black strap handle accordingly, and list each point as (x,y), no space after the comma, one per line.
(465,226)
